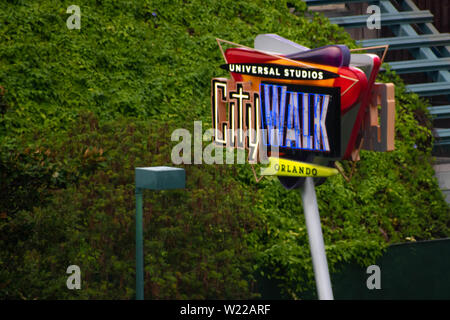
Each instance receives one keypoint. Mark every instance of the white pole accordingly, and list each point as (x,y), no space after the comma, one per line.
(316,244)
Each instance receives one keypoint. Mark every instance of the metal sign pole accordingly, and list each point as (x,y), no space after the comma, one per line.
(319,259)
(139,247)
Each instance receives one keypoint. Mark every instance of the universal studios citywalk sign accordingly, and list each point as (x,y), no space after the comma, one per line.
(279,106)
(307,108)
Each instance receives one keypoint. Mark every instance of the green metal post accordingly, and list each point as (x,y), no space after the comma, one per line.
(153,178)
(139,247)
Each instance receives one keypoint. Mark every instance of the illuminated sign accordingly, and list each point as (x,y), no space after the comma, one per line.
(299,104)
(289,117)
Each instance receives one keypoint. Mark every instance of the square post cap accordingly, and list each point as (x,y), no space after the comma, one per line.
(160,178)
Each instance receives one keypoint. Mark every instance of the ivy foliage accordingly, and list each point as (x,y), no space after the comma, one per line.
(82,108)
(193,238)
(147,58)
